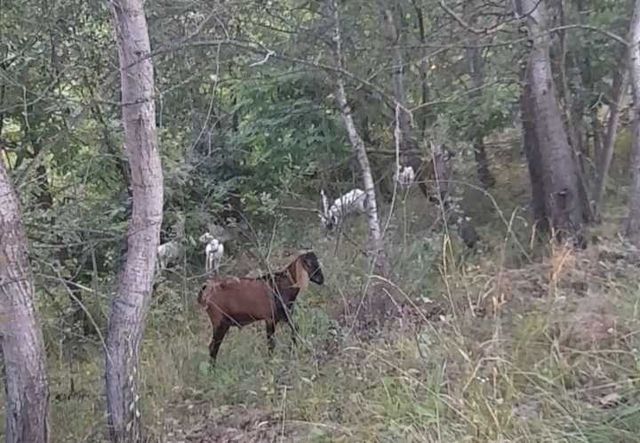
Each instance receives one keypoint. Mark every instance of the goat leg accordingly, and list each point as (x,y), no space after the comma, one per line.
(218,335)
(271,329)
(289,319)
(294,334)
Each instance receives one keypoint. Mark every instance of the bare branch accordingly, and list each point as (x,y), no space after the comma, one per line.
(264,60)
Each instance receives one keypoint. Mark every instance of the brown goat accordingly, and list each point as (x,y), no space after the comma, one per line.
(238,302)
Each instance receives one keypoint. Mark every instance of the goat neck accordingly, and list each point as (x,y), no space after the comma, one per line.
(298,275)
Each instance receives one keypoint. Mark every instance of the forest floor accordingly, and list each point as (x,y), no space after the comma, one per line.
(512,343)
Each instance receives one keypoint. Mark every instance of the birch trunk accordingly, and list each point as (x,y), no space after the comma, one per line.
(376,248)
(377,305)
(131,302)
(633,222)
(27,391)
(563,204)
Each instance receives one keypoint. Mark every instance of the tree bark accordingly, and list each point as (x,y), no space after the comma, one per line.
(27,391)
(563,204)
(532,152)
(377,306)
(633,222)
(131,302)
(376,247)
(573,102)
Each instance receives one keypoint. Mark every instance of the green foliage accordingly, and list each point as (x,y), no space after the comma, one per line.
(488,113)
(286,128)
(247,121)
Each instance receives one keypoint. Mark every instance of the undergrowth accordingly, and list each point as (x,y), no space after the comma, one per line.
(517,342)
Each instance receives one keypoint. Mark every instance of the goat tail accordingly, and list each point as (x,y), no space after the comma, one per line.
(201,298)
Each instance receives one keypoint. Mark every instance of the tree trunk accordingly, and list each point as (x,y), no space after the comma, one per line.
(424,114)
(563,204)
(633,222)
(27,391)
(408,147)
(475,64)
(393,35)
(409,152)
(574,107)
(532,152)
(378,301)
(476,71)
(620,83)
(131,302)
(452,213)
(376,247)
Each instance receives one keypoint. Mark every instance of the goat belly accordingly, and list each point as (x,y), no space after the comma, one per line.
(243,319)
(247,308)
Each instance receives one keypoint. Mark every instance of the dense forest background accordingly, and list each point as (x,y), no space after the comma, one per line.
(502,307)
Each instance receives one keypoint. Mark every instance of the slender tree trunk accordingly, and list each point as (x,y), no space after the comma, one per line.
(378,302)
(620,83)
(27,391)
(633,222)
(408,147)
(476,71)
(393,35)
(376,246)
(424,115)
(563,204)
(578,141)
(409,152)
(598,144)
(475,65)
(130,304)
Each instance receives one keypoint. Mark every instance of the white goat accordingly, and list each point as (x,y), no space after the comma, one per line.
(353,202)
(168,253)
(405,175)
(213,252)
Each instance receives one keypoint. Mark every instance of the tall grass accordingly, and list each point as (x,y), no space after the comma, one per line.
(526,344)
